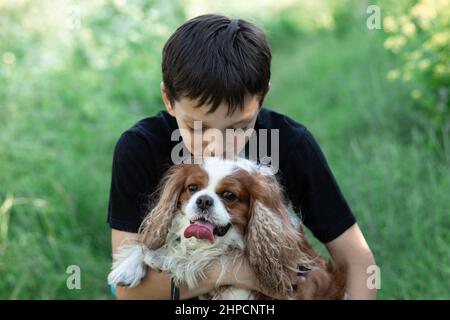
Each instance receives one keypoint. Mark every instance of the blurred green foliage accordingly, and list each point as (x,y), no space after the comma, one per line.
(74,77)
(421,38)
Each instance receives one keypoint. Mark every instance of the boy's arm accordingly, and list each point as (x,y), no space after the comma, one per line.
(351,251)
(156,285)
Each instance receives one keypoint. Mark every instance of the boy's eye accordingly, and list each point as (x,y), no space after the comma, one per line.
(192,188)
(244,127)
(192,129)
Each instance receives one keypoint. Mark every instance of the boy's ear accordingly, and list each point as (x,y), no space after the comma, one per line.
(166,100)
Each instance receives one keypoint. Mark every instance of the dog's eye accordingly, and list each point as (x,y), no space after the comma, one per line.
(192,188)
(229,196)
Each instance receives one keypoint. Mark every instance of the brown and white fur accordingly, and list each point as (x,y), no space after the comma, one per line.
(260,229)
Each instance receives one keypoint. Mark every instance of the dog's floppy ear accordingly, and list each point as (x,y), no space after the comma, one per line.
(274,246)
(155,226)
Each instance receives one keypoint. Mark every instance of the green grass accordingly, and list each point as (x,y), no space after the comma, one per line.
(58,133)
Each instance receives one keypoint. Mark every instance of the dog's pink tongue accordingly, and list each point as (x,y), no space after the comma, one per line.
(200,230)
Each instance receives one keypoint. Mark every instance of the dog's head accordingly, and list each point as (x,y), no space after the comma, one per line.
(220,195)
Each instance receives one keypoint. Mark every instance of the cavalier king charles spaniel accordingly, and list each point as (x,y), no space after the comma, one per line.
(221,210)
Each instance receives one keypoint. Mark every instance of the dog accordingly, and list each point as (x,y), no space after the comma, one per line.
(221,210)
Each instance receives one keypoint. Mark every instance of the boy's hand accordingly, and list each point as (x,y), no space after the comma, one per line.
(240,275)
(237,274)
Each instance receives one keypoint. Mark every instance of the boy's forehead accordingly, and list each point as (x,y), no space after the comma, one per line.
(251,107)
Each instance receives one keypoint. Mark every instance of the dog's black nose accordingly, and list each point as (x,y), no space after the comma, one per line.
(204,202)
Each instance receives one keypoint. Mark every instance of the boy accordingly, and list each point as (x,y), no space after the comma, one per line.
(216,72)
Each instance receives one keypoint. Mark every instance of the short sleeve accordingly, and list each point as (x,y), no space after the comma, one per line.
(131,182)
(316,193)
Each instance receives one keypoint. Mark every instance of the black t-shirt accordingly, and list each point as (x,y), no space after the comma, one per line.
(143,154)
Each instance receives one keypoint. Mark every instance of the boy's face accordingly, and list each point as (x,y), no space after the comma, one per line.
(208,130)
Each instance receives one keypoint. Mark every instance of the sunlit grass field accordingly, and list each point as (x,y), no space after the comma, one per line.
(58,131)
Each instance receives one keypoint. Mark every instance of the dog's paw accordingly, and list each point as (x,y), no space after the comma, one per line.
(127,277)
(129,268)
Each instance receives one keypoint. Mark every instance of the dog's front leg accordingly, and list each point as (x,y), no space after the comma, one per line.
(128,267)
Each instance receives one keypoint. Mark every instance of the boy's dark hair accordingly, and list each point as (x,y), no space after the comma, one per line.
(215,59)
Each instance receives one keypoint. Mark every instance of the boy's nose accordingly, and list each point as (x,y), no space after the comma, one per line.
(214,149)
